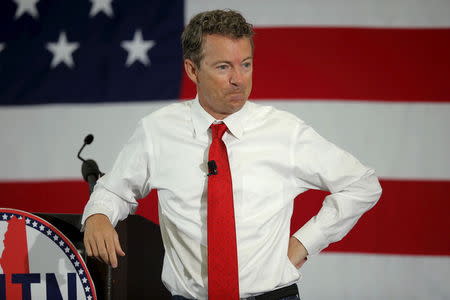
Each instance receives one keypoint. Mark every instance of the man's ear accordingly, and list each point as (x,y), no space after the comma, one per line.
(191,70)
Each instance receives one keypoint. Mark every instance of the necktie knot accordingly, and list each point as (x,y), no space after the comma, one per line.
(218,130)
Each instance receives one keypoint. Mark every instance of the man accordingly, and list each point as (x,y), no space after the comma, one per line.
(222,164)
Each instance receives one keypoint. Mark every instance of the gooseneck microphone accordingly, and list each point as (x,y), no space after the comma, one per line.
(89,168)
(212,167)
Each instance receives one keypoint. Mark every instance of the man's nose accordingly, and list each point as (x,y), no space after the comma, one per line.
(236,77)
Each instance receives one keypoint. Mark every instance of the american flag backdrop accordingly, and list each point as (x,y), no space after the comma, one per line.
(371,76)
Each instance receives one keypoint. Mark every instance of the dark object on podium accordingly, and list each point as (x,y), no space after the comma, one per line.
(139,273)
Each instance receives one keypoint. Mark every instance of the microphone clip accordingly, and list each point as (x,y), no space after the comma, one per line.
(212,167)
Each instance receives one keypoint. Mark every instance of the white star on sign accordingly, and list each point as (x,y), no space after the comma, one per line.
(35,224)
(101,6)
(62,51)
(26,6)
(84,280)
(5,217)
(72,256)
(28,221)
(41,228)
(137,49)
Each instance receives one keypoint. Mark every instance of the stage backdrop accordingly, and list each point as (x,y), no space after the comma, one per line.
(371,76)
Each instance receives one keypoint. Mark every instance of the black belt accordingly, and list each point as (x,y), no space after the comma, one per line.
(287,291)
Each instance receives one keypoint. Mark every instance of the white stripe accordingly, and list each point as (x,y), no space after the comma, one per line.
(364,13)
(399,140)
(355,277)
(41,142)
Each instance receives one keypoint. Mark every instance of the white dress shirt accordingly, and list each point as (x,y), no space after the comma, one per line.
(273,157)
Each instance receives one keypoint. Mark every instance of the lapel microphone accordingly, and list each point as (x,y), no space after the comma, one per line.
(212,167)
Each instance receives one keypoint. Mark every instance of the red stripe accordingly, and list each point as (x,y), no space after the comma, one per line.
(411,217)
(349,63)
(65,196)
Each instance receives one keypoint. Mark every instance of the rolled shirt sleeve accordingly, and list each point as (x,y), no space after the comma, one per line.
(354,188)
(115,193)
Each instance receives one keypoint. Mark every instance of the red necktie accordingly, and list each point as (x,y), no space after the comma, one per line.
(223,281)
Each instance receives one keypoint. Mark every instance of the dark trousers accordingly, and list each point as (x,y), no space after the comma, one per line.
(286,293)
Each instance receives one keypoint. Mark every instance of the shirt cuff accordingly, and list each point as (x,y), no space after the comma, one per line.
(312,238)
(96,208)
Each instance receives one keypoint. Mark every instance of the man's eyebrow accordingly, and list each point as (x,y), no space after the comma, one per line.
(222,62)
(229,62)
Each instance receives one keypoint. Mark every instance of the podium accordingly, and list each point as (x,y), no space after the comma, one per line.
(138,275)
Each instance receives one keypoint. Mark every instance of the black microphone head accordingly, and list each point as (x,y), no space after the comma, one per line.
(88,139)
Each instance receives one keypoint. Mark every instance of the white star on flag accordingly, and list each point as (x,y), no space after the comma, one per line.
(62,51)
(2,46)
(137,49)
(5,217)
(72,256)
(101,6)
(41,228)
(84,280)
(35,224)
(28,221)
(49,232)
(26,6)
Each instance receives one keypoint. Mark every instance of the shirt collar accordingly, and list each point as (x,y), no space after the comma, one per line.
(202,120)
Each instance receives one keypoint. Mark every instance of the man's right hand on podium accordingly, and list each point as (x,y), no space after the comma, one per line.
(101,239)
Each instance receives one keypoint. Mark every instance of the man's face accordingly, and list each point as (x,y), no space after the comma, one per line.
(224,79)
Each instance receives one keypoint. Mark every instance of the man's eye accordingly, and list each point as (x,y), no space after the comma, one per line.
(247,65)
(222,67)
